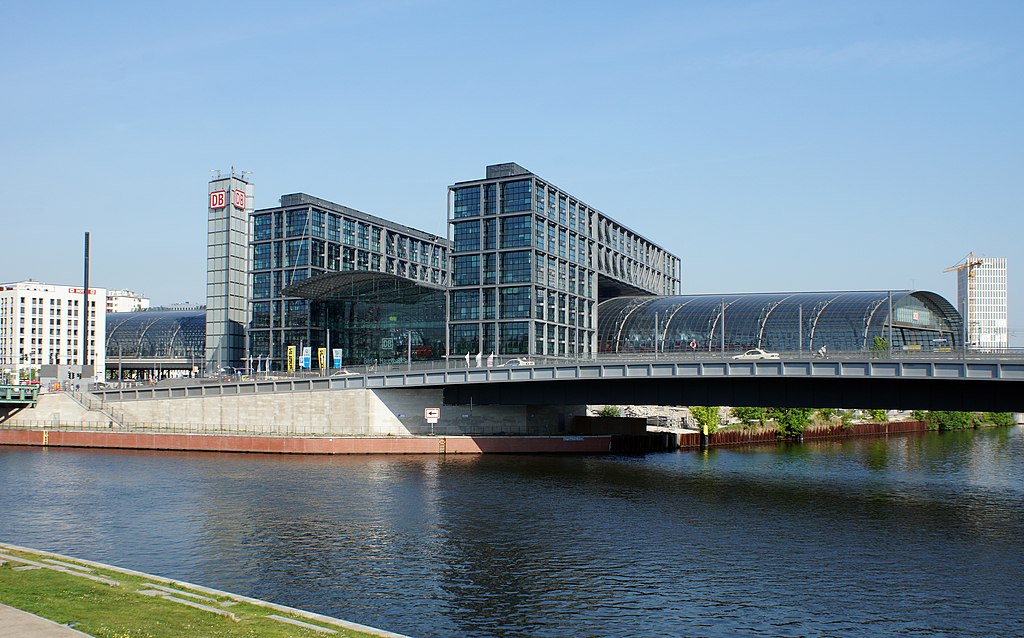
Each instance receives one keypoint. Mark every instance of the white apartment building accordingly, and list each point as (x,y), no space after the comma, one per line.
(126,301)
(987,298)
(42,324)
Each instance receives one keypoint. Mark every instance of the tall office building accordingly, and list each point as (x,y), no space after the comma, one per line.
(329,276)
(530,263)
(41,324)
(230,202)
(983,305)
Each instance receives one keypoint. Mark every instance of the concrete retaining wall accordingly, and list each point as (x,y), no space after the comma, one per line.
(369,413)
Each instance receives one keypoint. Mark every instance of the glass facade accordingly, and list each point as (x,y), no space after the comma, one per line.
(791,322)
(306,237)
(532,251)
(156,334)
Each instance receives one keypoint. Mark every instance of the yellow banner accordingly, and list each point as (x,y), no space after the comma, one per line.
(321,354)
(291,358)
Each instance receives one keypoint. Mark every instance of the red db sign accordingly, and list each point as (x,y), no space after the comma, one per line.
(218,199)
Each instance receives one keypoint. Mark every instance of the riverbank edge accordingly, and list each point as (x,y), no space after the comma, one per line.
(568,444)
(329,620)
(770,436)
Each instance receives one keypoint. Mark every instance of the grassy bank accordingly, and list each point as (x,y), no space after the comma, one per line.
(110,603)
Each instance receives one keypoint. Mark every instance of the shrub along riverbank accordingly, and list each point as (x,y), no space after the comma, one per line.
(766,425)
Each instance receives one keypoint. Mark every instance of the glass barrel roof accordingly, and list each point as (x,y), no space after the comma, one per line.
(157,334)
(787,322)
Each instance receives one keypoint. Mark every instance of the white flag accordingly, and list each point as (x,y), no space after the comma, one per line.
(478,359)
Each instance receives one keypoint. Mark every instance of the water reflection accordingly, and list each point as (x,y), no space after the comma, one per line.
(916,534)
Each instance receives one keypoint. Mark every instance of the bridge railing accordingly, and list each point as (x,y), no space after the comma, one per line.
(19,394)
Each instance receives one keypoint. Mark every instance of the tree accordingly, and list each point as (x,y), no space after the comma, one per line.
(999,418)
(750,414)
(879,346)
(706,417)
(792,421)
(610,410)
(826,415)
(878,416)
(944,420)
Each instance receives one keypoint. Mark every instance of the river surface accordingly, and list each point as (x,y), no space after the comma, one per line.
(917,535)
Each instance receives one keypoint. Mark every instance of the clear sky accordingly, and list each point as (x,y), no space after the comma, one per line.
(774,146)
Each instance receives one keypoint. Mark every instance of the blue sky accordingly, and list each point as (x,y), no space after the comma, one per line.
(774,146)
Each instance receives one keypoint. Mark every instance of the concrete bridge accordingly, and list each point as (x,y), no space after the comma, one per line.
(993,384)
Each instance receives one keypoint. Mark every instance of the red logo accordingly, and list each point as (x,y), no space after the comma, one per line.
(238,199)
(218,199)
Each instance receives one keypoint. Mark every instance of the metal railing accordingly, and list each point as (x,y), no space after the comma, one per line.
(96,404)
(27,394)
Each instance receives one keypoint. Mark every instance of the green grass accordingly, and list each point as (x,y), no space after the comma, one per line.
(119,611)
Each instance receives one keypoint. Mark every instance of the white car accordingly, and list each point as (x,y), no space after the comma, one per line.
(757,353)
(521,361)
(344,373)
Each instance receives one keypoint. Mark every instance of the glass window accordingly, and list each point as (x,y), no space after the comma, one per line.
(466,270)
(465,305)
(515,267)
(515,302)
(296,253)
(333,227)
(515,196)
(261,226)
(490,199)
(514,337)
(348,232)
(298,221)
(318,223)
(515,231)
(465,338)
(261,254)
(490,236)
(467,202)
(466,236)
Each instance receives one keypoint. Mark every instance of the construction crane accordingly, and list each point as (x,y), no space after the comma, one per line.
(970,263)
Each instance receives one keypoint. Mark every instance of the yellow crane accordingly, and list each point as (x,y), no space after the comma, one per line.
(970,263)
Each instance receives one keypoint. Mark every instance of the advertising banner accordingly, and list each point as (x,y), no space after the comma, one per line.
(337,352)
(321,358)
(304,360)
(291,358)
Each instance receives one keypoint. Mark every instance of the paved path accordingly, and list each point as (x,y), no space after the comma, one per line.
(15,623)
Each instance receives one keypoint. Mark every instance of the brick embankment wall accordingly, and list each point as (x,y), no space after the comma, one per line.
(745,437)
(309,445)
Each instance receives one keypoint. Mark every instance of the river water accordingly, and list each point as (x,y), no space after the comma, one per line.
(917,535)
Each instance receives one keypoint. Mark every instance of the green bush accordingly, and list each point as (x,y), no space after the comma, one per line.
(746,415)
(706,417)
(878,416)
(944,420)
(826,414)
(610,410)
(920,415)
(998,418)
(846,419)
(792,421)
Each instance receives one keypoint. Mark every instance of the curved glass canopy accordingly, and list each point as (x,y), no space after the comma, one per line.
(787,322)
(156,334)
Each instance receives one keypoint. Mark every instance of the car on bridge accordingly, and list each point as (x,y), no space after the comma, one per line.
(757,353)
(520,361)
